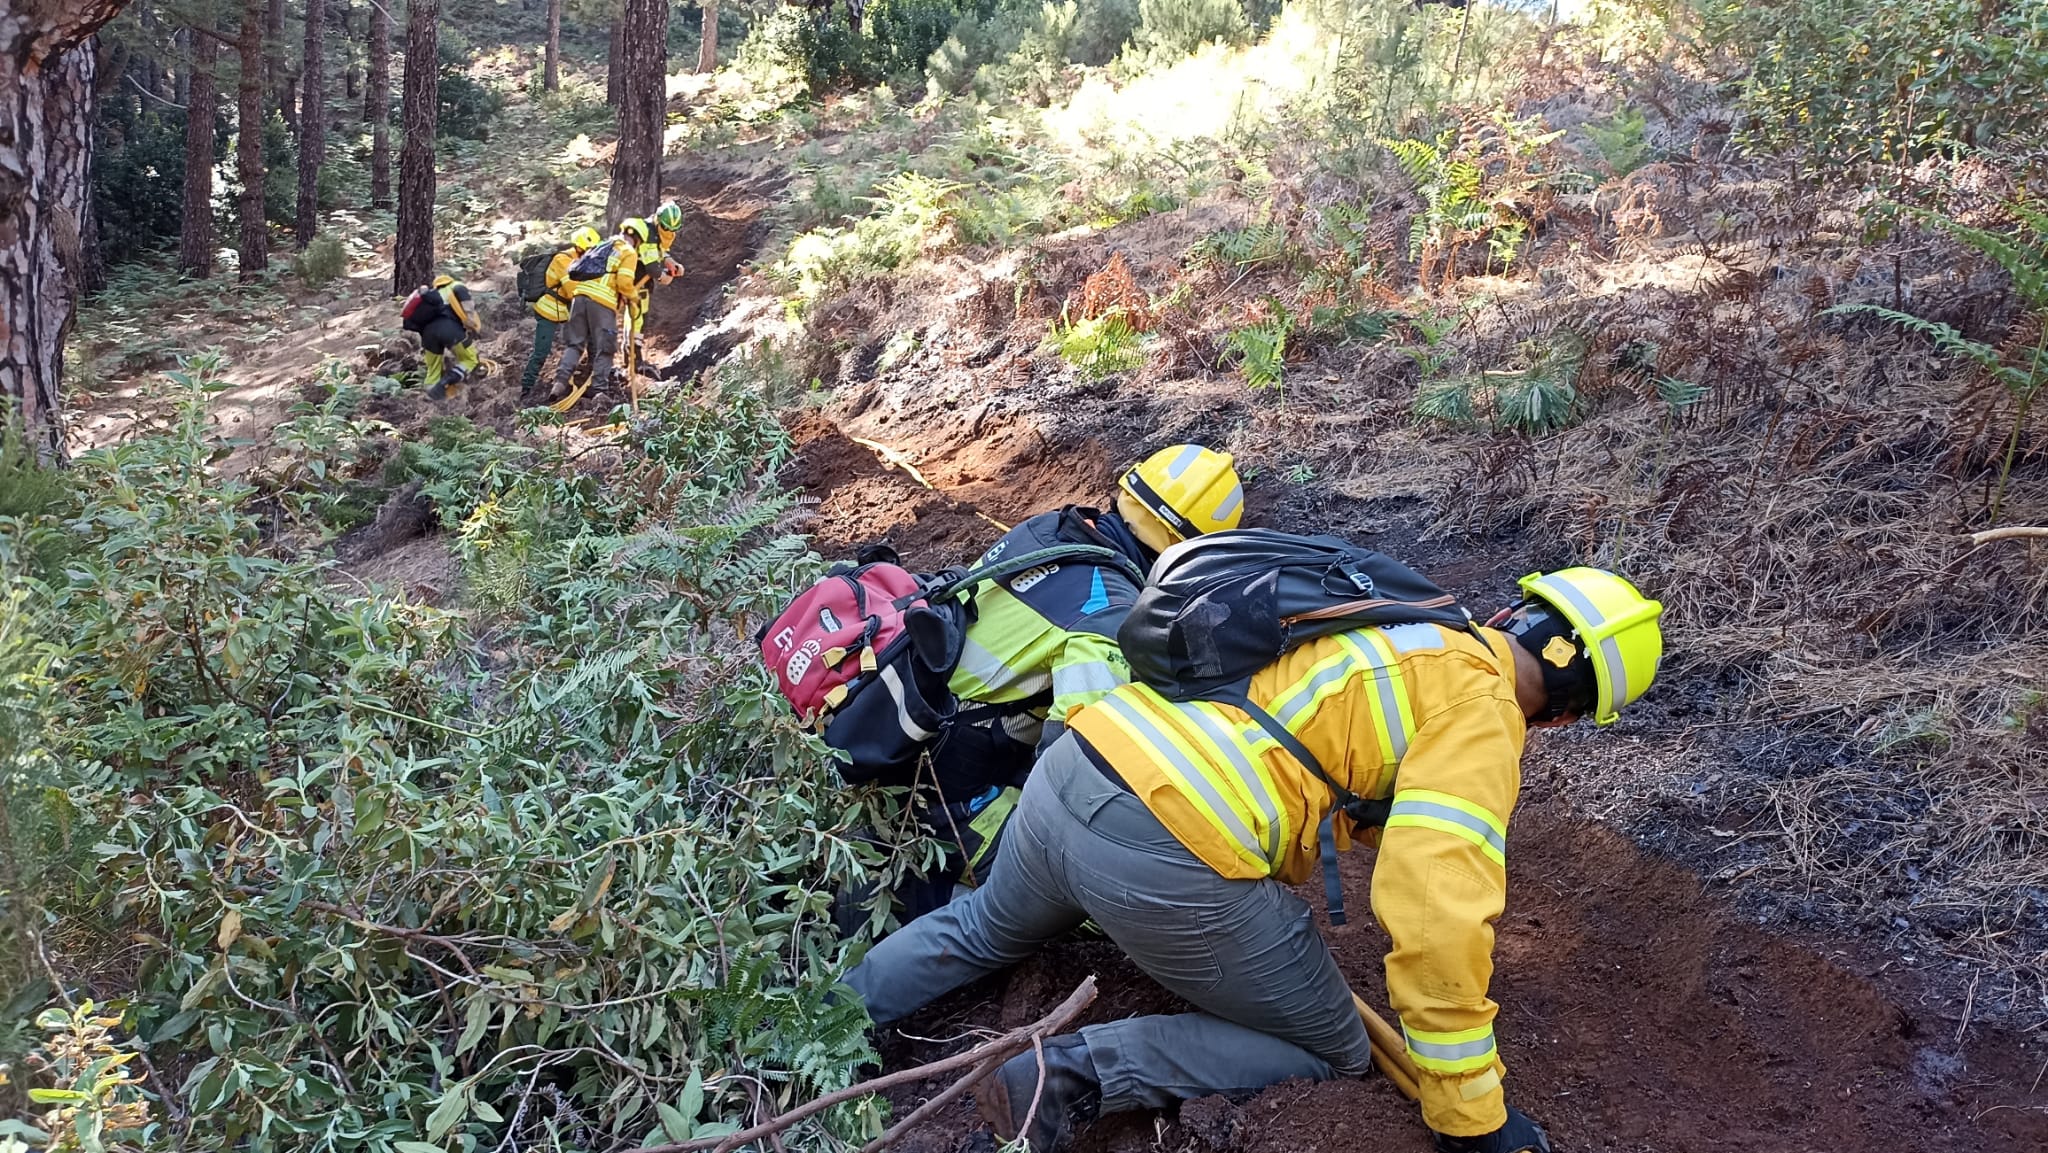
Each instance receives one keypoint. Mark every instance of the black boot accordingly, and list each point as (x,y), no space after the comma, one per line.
(1072,1094)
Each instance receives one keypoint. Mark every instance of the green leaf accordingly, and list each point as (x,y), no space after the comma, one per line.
(478,1020)
(416,1147)
(673,1123)
(56,1096)
(449,1111)
(693,1094)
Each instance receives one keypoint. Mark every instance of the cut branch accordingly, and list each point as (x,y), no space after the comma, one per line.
(977,1061)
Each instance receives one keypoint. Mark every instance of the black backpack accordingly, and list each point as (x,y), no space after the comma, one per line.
(533,275)
(593,264)
(1224,605)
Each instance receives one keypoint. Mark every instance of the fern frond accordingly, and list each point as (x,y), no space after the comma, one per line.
(1945,337)
(2028,266)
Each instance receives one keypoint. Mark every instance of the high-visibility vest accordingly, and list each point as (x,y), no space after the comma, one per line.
(1222,784)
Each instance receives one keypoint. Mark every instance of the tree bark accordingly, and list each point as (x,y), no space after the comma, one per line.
(46,93)
(707,47)
(551,75)
(195,233)
(377,106)
(413,257)
(352,72)
(312,127)
(643,104)
(614,57)
(278,66)
(249,118)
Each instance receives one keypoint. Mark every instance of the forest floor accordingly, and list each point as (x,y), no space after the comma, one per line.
(1691,958)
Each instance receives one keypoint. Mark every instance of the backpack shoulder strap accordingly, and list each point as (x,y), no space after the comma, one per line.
(956,582)
(1361,810)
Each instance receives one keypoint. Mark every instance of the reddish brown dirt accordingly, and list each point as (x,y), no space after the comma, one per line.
(1639,1013)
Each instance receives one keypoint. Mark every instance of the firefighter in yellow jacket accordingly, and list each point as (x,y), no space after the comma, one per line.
(1178,825)
(551,311)
(602,281)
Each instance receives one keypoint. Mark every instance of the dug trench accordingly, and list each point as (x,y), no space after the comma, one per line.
(1641,1009)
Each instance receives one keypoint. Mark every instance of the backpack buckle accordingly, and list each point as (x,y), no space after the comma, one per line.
(1359,579)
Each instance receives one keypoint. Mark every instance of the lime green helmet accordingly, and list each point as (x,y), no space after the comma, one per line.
(669,215)
(637,228)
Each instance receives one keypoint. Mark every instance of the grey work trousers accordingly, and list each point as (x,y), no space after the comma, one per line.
(591,327)
(1246,952)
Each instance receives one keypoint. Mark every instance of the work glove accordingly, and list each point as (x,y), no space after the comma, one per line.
(1518,1135)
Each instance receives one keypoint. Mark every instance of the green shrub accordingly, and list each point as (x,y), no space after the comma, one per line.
(1097,346)
(390,887)
(1170,29)
(1622,139)
(1888,81)
(138,180)
(323,260)
(1102,28)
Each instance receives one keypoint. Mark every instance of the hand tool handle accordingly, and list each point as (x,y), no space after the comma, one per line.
(1389,1050)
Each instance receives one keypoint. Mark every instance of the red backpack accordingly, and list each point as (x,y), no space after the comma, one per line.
(877,624)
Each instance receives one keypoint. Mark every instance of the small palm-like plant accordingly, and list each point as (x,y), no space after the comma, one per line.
(2020,369)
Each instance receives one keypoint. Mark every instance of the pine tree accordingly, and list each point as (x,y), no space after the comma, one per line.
(413,259)
(202,104)
(312,127)
(551,74)
(48,67)
(249,116)
(643,106)
(707,46)
(377,106)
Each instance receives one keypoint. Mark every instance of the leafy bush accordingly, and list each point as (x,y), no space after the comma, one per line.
(1170,29)
(1260,348)
(1102,28)
(323,260)
(1622,139)
(1888,81)
(1098,346)
(910,211)
(466,106)
(138,180)
(392,890)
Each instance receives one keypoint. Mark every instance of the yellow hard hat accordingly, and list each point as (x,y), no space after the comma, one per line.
(637,227)
(1616,629)
(586,238)
(443,280)
(1180,492)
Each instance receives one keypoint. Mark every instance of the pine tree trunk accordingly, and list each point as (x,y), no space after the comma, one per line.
(551,70)
(249,144)
(377,106)
(614,57)
(352,71)
(195,234)
(413,258)
(312,128)
(643,104)
(277,66)
(707,47)
(47,69)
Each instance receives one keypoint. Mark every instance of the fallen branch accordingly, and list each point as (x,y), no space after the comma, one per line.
(978,1061)
(2013,532)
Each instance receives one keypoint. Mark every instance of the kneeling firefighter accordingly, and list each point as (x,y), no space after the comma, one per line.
(992,659)
(1275,718)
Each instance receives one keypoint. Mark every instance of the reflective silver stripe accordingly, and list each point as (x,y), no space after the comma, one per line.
(1414,638)
(1189,454)
(983,665)
(1024,728)
(1461,1051)
(1458,817)
(1230,502)
(1614,692)
(1383,673)
(1091,677)
(910,728)
(1246,772)
(1306,695)
(1165,747)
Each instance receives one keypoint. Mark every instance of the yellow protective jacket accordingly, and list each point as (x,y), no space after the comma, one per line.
(616,285)
(646,262)
(554,304)
(1419,714)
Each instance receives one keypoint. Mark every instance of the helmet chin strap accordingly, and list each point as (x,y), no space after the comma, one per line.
(1568,683)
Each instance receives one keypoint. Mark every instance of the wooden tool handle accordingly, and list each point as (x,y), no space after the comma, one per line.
(1389,1050)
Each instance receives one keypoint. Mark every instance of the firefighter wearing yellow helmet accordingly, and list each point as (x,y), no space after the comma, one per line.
(1179,825)
(551,311)
(448,324)
(1042,646)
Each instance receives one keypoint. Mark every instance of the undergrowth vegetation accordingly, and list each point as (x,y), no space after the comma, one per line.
(375,876)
